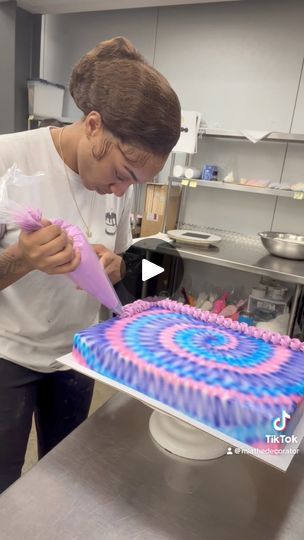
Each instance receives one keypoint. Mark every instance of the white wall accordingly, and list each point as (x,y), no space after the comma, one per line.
(67,37)
(239,64)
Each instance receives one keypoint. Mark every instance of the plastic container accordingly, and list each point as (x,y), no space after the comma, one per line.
(209,172)
(261,306)
(264,315)
(277,292)
(45,98)
(247,317)
(259,292)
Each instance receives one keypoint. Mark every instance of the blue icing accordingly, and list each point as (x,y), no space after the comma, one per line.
(205,343)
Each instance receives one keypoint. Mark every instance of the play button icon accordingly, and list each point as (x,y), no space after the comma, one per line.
(150,270)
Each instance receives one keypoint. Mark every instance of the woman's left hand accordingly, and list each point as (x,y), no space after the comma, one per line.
(113,264)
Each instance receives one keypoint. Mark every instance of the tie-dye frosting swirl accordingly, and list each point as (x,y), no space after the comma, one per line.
(232,377)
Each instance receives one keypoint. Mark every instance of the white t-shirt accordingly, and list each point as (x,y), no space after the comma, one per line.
(39,314)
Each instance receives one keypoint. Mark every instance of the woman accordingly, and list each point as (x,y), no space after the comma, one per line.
(131,122)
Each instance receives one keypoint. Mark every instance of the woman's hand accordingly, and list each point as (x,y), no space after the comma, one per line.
(49,249)
(112,263)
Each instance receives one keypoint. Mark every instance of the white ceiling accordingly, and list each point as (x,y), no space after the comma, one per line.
(73,6)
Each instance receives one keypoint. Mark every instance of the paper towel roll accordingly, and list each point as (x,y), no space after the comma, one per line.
(190,172)
(178,171)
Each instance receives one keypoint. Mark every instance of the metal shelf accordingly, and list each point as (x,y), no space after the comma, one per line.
(237,134)
(236,251)
(298,195)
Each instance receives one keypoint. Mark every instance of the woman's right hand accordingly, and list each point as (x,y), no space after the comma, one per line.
(49,249)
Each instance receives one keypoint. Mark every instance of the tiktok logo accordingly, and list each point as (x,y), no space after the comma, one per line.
(280,423)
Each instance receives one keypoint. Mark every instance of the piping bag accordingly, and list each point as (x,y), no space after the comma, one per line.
(90,274)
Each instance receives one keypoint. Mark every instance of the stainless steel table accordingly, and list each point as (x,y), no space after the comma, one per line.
(108,480)
(235,251)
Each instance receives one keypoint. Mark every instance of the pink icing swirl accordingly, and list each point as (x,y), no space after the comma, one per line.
(171,305)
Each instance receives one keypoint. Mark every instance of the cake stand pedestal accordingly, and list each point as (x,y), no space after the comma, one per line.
(184,440)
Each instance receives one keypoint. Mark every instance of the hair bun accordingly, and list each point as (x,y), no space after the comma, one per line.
(118,48)
(136,103)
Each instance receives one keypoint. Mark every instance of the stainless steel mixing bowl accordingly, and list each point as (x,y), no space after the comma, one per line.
(286,245)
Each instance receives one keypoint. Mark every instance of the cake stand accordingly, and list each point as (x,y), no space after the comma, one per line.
(183,440)
(173,432)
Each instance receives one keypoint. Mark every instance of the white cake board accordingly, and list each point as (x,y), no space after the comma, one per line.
(280,461)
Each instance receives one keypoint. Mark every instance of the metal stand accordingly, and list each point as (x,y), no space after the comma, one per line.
(164,227)
(293,309)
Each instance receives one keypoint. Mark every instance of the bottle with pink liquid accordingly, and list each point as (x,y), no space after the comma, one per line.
(220,303)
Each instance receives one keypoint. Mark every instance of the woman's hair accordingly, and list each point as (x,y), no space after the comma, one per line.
(136,103)
(50,122)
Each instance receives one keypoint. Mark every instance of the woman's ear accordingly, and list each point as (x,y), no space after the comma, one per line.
(93,124)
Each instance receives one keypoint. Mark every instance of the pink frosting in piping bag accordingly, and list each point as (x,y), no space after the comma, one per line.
(90,274)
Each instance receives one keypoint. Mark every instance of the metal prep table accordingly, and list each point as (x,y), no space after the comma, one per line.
(238,252)
(108,480)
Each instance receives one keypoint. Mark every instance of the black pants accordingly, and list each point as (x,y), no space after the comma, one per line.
(60,401)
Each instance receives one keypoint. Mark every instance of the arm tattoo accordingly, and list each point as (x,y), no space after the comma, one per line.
(10,264)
